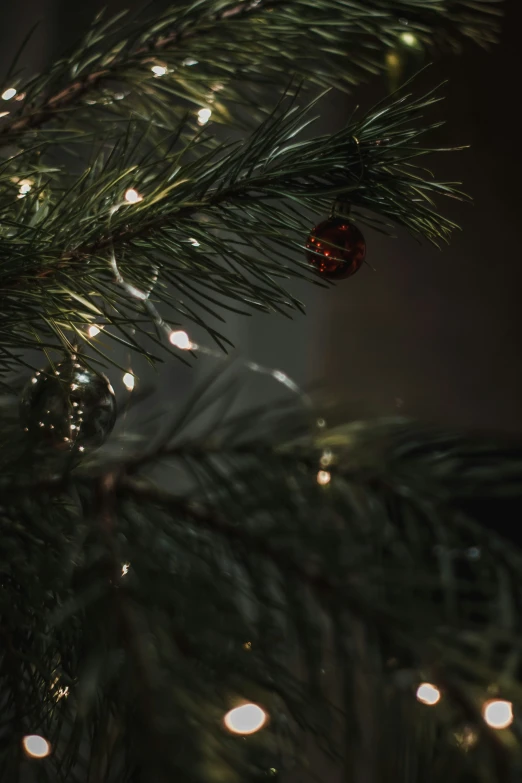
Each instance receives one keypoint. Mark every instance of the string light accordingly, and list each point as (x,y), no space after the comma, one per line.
(323,478)
(36,746)
(132,196)
(409,39)
(392,59)
(189,61)
(326,458)
(428,694)
(193,241)
(93,330)
(181,340)
(60,693)
(128,381)
(9,93)
(125,569)
(24,186)
(498,713)
(246,719)
(159,70)
(204,116)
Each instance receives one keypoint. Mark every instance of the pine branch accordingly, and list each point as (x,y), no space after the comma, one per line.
(227,201)
(285,551)
(235,41)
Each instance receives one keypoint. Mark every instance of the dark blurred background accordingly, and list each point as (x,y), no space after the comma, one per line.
(434,334)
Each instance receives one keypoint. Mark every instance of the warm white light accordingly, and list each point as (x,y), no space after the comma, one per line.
(9,93)
(24,186)
(190,61)
(204,116)
(62,693)
(35,746)
(93,330)
(132,196)
(180,340)
(246,719)
(125,569)
(324,477)
(159,70)
(498,713)
(409,39)
(326,458)
(193,241)
(428,694)
(128,381)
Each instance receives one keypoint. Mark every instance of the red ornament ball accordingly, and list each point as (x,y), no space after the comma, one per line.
(336,248)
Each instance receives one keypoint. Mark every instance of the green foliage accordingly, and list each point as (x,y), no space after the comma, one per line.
(134,614)
(248,580)
(211,223)
(103,101)
(330,43)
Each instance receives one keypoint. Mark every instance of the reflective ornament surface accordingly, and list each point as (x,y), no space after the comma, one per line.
(336,248)
(68,405)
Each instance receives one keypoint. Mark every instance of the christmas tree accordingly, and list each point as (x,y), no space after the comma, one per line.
(216,595)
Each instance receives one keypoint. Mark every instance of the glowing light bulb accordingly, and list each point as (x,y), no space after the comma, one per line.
(326,458)
(35,746)
(204,116)
(193,241)
(409,39)
(62,693)
(428,694)
(246,719)
(9,93)
(128,381)
(180,340)
(24,186)
(159,70)
(125,569)
(498,713)
(132,196)
(93,330)
(324,478)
